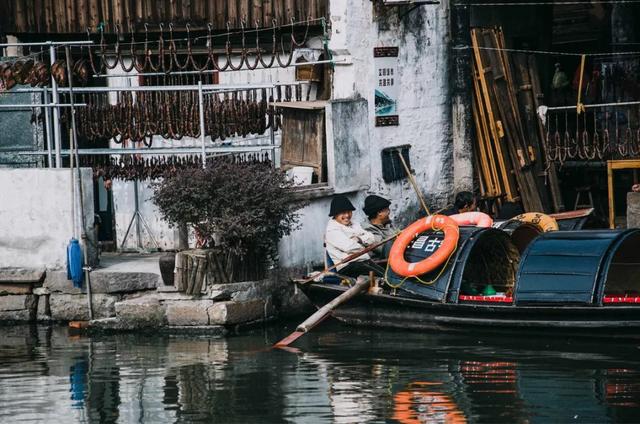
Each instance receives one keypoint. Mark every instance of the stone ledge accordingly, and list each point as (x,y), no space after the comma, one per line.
(104,282)
(21,315)
(21,275)
(144,311)
(17,302)
(75,307)
(15,288)
(188,313)
(232,312)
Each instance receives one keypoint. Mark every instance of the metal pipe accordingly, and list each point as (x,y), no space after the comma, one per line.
(167,151)
(272,136)
(272,85)
(201,115)
(74,143)
(47,125)
(594,105)
(212,87)
(212,71)
(48,43)
(56,111)
(34,105)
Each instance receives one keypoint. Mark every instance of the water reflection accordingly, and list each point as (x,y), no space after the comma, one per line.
(338,375)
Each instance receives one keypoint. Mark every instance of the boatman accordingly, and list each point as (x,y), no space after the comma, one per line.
(465,202)
(379,224)
(344,237)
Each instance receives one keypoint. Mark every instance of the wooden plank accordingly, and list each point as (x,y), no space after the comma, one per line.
(60,13)
(20,18)
(232,13)
(128,15)
(221,15)
(267,13)
(244,12)
(94,14)
(289,11)
(82,16)
(612,211)
(29,10)
(279,11)
(517,150)
(313,10)
(38,10)
(69,18)
(506,176)
(174,11)
(139,12)
(116,14)
(529,121)
(105,14)
(48,15)
(256,13)
(188,14)
(481,136)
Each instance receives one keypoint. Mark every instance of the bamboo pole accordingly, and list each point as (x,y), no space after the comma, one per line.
(322,313)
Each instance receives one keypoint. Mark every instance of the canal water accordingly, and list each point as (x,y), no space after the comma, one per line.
(339,374)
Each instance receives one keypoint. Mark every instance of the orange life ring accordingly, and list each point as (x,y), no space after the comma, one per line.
(413,269)
(545,222)
(477,219)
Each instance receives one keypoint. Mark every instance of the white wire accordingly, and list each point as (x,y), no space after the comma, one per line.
(549,52)
(552,3)
(167,40)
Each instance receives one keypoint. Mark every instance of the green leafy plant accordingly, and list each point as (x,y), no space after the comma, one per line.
(242,209)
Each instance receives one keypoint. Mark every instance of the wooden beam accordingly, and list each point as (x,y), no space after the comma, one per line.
(612,212)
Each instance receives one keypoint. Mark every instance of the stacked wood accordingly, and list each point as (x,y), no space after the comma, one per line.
(75,16)
(196,268)
(509,144)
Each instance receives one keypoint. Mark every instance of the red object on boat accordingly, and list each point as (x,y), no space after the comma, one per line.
(621,299)
(497,299)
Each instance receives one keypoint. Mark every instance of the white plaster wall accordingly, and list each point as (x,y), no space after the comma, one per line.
(35,211)
(422,35)
(357,26)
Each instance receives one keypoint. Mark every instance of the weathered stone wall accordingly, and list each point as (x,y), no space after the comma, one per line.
(354,143)
(35,216)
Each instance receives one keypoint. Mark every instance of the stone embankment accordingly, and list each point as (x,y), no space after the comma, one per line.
(132,296)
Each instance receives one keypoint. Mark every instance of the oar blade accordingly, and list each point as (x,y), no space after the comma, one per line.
(290,339)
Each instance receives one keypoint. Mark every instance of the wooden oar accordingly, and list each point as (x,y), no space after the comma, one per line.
(350,258)
(322,313)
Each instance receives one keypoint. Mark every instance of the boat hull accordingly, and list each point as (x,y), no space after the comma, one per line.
(396,312)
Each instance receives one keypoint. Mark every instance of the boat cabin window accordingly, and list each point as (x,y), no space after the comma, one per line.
(623,277)
(491,267)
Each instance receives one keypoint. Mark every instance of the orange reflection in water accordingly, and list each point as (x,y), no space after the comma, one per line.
(420,403)
(622,387)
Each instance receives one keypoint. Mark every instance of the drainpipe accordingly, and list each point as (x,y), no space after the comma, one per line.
(461,118)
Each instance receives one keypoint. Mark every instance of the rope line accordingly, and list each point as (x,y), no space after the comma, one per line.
(552,3)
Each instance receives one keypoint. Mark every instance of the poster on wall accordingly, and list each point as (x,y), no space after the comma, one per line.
(387,85)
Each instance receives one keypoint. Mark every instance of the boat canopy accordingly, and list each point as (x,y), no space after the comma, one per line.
(483,256)
(579,267)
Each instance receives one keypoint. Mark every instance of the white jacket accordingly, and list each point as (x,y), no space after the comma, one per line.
(342,240)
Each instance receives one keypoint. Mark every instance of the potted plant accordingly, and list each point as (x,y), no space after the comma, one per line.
(241,210)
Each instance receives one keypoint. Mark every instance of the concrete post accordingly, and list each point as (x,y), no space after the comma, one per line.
(461,96)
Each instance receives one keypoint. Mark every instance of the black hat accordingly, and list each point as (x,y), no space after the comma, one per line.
(340,204)
(374,204)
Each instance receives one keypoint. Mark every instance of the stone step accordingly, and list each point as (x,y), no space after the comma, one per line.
(104,282)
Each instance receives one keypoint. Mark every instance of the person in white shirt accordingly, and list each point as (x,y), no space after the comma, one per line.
(344,237)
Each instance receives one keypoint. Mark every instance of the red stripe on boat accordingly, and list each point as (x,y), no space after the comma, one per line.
(497,299)
(620,299)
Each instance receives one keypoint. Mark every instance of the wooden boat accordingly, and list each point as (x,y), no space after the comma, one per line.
(566,282)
